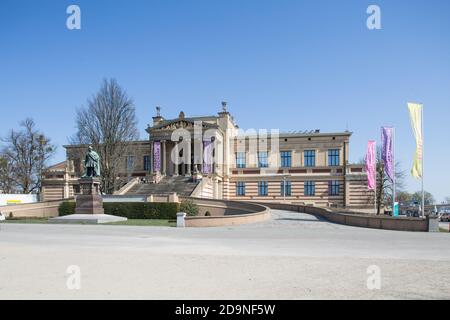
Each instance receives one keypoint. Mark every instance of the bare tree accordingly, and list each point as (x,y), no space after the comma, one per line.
(384,184)
(429,198)
(109,124)
(26,153)
(7,184)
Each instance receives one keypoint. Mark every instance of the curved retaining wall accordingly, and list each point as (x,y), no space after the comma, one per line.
(226,213)
(47,209)
(364,221)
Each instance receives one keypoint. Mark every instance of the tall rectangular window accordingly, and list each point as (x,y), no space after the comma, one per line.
(240,160)
(263,161)
(130,163)
(286,188)
(240,188)
(263,188)
(310,188)
(146,163)
(286,159)
(334,188)
(310,158)
(333,157)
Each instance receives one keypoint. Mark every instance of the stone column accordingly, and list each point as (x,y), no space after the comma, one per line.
(188,172)
(163,158)
(66,185)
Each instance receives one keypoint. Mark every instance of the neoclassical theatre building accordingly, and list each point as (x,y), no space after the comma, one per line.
(309,167)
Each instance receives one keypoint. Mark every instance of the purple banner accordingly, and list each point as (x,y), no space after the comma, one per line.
(387,152)
(156,156)
(207,156)
(371,165)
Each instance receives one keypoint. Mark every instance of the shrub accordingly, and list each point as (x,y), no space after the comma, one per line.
(66,208)
(131,210)
(189,207)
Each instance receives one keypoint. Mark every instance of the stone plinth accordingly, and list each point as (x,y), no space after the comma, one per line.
(87,219)
(181,220)
(90,200)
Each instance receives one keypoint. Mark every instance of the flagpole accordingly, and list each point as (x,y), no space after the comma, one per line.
(423,190)
(394,182)
(375,191)
(376,180)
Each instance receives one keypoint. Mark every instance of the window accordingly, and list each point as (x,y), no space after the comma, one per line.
(130,163)
(263,188)
(240,160)
(240,188)
(334,188)
(333,157)
(286,188)
(310,188)
(262,159)
(286,159)
(310,158)
(146,163)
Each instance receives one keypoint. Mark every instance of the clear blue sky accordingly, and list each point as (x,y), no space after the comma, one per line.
(292,65)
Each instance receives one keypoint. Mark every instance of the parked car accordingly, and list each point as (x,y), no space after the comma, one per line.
(444,216)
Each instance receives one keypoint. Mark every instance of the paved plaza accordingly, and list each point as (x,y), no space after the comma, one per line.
(292,256)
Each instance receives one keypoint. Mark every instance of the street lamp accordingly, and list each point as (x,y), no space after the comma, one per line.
(42,143)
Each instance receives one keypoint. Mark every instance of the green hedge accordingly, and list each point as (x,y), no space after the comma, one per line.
(189,207)
(66,208)
(131,210)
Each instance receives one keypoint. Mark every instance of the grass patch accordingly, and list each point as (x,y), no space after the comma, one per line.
(145,223)
(27,220)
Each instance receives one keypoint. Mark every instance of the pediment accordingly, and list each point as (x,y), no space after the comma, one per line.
(179,124)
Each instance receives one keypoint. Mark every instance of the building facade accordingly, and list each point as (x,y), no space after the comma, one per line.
(253,165)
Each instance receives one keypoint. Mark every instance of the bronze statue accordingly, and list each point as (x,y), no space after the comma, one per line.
(92,164)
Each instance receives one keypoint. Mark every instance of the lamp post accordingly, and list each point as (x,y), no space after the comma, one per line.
(42,143)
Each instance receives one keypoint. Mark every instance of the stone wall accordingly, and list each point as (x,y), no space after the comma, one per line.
(33,210)
(364,221)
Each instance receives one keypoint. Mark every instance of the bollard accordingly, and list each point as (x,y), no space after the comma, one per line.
(180,220)
(2,218)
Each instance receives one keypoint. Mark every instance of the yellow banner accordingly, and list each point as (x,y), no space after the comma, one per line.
(415,113)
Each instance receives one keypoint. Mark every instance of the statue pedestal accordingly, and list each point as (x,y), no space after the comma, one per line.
(90,200)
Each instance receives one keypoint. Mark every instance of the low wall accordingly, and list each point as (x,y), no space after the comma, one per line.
(226,213)
(120,198)
(364,221)
(48,209)
(127,187)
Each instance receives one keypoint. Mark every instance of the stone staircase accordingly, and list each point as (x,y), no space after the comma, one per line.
(182,186)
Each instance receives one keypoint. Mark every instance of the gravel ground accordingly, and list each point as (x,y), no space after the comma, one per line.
(292,256)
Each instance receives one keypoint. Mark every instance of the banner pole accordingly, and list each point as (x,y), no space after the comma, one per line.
(423,156)
(394,167)
(376,181)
